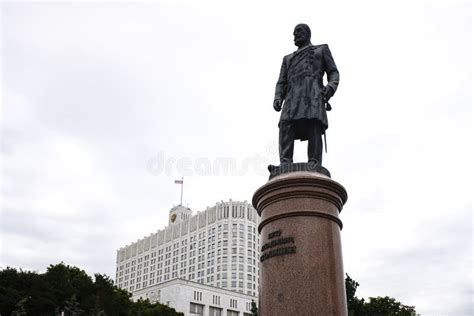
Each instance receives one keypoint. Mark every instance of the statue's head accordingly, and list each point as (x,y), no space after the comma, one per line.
(302,35)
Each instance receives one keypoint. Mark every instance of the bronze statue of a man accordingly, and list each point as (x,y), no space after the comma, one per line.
(300,86)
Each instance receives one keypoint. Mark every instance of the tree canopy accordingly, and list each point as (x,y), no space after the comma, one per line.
(376,306)
(69,289)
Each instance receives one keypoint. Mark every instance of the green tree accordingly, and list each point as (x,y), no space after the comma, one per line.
(145,308)
(16,285)
(72,307)
(20,309)
(69,289)
(64,281)
(387,306)
(355,305)
(10,294)
(97,308)
(376,306)
(112,300)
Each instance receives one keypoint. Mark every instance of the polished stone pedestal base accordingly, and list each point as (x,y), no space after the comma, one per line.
(301,270)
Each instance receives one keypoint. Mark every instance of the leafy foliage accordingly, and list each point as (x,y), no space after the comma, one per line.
(387,306)
(145,308)
(376,306)
(69,289)
(20,309)
(71,307)
(354,304)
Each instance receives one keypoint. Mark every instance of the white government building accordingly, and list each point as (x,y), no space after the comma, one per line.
(206,264)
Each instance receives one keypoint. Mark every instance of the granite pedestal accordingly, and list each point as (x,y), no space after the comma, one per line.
(301,269)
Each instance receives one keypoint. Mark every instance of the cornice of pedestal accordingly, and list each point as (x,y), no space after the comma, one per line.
(301,185)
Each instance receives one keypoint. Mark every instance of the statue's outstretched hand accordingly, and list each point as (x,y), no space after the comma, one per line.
(277,105)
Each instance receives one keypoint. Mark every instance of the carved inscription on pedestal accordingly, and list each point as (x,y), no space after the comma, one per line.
(277,246)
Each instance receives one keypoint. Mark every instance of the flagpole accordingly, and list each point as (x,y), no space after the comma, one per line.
(182,184)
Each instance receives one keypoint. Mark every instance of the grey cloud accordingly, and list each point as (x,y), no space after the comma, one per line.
(114,84)
(437,264)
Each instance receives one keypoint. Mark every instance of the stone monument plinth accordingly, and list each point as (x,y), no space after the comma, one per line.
(301,269)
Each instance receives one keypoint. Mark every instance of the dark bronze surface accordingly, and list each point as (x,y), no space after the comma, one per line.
(302,96)
(293,167)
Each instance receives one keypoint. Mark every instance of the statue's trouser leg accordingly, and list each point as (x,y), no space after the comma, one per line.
(315,143)
(286,141)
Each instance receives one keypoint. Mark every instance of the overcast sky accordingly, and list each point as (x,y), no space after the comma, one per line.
(105,105)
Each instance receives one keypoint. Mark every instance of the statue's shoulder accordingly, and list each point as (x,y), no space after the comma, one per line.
(289,56)
(320,47)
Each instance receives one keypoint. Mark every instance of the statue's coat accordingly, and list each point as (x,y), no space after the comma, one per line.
(300,85)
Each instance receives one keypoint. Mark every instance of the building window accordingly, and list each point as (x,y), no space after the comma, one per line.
(214,311)
(233,303)
(197,296)
(216,300)
(196,309)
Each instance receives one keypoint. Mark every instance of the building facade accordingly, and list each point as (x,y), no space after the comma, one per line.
(193,298)
(218,247)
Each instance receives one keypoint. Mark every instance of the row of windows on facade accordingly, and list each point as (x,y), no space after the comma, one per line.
(250,282)
(216,300)
(201,256)
(136,284)
(201,264)
(223,233)
(152,265)
(198,309)
(222,263)
(222,258)
(210,271)
(200,273)
(233,284)
(210,239)
(216,311)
